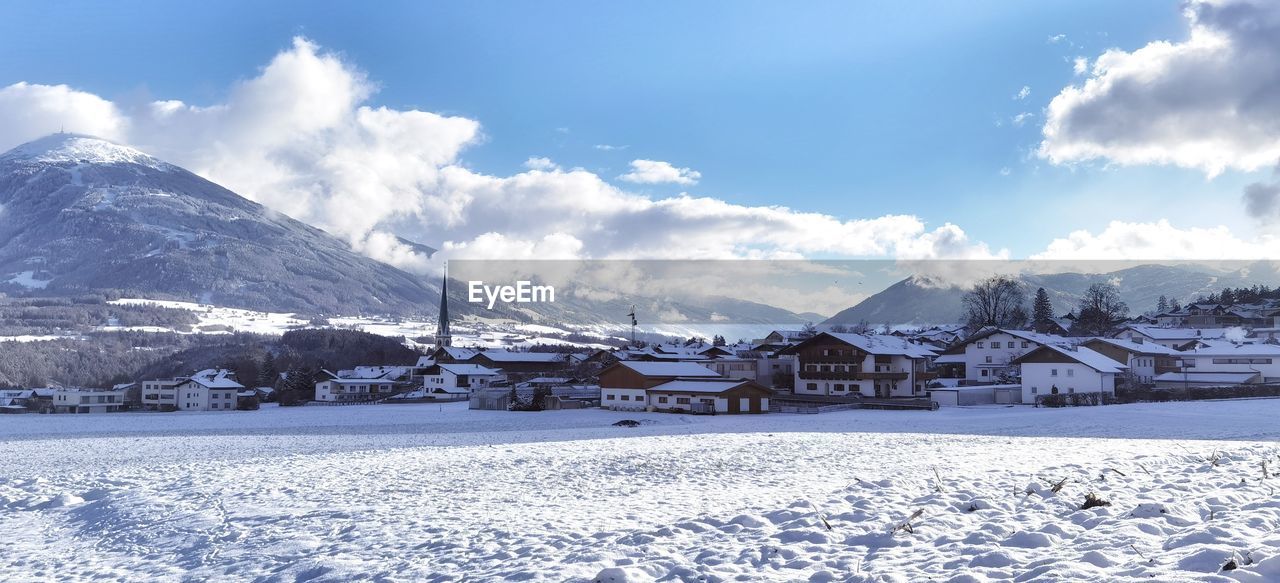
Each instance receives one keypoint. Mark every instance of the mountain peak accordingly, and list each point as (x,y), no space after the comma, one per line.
(79,149)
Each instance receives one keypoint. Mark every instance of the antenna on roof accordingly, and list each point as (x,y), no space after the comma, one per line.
(633,324)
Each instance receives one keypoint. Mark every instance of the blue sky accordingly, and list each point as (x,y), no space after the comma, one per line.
(853,109)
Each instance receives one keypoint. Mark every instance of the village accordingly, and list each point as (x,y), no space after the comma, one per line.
(1205,350)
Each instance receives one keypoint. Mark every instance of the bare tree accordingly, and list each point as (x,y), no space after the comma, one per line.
(996,301)
(1100,310)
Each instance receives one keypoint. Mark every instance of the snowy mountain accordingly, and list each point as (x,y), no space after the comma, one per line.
(920,301)
(81,214)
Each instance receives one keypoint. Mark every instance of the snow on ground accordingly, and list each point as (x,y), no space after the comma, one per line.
(440,493)
(28,280)
(217,319)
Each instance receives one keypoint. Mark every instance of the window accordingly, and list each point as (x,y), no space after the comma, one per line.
(1071,372)
(1053,372)
(662,399)
(826,352)
(626,397)
(608,397)
(979,345)
(988,360)
(213,406)
(1071,389)
(1025,344)
(812,386)
(986,372)
(682,400)
(1034,390)
(839,387)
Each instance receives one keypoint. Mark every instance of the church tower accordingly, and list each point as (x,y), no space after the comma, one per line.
(443,339)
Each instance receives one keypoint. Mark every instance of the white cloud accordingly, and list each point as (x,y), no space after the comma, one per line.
(1207,102)
(1057,38)
(1159,240)
(302,138)
(539,163)
(1080,65)
(1021,119)
(1022,93)
(31,111)
(609,147)
(1005,171)
(658,172)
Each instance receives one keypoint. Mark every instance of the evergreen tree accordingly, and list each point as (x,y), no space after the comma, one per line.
(268,374)
(1042,312)
(1162,304)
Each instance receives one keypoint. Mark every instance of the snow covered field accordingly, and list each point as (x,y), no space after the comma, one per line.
(440,493)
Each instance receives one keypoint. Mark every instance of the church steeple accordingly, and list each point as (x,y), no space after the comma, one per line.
(443,339)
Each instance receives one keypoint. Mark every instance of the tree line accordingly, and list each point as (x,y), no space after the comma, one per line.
(1001,302)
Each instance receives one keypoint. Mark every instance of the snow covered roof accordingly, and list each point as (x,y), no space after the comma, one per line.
(1139,348)
(215,379)
(950,359)
(669,369)
(1232,378)
(459,353)
(884,344)
(424,361)
(1225,348)
(508,356)
(1160,333)
(373,372)
(469,369)
(1036,337)
(698,386)
(1094,360)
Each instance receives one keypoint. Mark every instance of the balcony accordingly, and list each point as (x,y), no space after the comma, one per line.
(813,375)
(883,375)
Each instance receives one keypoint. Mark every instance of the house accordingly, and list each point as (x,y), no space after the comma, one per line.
(870,365)
(521,362)
(354,389)
(207,390)
(456,381)
(559,396)
(734,367)
(1170,337)
(1187,379)
(88,400)
(1145,360)
(988,355)
(624,385)
(159,395)
(1222,356)
(709,395)
(1052,369)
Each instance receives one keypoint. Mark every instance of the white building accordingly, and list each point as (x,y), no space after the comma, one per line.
(1221,356)
(158,395)
(871,365)
(207,390)
(1052,370)
(87,400)
(1146,360)
(1168,337)
(625,384)
(353,389)
(456,381)
(990,353)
